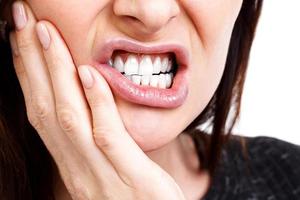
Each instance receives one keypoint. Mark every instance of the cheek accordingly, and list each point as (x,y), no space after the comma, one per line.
(71,17)
(213,23)
(210,25)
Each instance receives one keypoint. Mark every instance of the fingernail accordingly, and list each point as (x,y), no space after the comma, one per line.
(86,77)
(13,45)
(19,15)
(43,35)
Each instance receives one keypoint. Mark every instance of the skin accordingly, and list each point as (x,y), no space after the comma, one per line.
(205,28)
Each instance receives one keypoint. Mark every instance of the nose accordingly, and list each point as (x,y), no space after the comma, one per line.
(148,16)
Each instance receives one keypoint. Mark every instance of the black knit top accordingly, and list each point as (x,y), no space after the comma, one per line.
(269,171)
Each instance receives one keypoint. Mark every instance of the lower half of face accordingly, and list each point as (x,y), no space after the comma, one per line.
(201,27)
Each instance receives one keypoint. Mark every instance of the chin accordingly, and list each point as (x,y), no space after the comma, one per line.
(150,139)
(151,128)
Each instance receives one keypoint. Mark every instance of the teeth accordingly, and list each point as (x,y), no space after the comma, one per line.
(162,81)
(131,65)
(145,73)
(146,67)
(169,66)
(168,80)
(136,79)
(154,80)
(128,77)
(110,62)
(164,64)
(145,80)
(119,64)
(156,65)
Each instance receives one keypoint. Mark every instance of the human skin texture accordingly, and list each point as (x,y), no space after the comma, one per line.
(70,33)
(205,28)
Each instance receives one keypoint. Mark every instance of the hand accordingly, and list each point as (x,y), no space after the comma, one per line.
(81,126)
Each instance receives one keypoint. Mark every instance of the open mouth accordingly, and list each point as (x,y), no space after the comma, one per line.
(148,75)
(155,70)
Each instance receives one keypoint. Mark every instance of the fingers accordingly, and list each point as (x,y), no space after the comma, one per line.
(72,110)
(57,96)
(50,83)
(108,129)
(30,55)
(19,69)
(68,97)
(54,88)
(39,99)
(22,76)
(71,107)
(34,79)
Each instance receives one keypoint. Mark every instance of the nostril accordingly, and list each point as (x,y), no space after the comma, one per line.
(132,18)
(128,19)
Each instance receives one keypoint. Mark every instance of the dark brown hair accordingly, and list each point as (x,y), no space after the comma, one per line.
(26,167)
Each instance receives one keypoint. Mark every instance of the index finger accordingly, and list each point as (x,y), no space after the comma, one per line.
(108,129)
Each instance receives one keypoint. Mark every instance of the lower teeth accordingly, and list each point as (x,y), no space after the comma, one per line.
(162,80)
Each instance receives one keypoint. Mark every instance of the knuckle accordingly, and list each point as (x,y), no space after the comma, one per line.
(55,65)
(41,107)
(102,138)
(33,120)
(20,70)
(78,190)
(37,110)
(25,44)
(94,102)
(107,194)
(130,182)
(66,118)
(99,101)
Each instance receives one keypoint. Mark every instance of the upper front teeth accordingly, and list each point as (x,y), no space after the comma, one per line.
(118,64)
(131,66)
(145,67)
(157,65)
(164,64)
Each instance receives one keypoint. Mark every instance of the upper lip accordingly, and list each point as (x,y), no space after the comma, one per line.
(104,52)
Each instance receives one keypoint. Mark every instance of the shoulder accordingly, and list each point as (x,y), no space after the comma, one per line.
(279,159)
(272,146)
(259,168)
(261,149)
(276,163)
(268,150)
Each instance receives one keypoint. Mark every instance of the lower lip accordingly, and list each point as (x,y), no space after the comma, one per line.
(146,95)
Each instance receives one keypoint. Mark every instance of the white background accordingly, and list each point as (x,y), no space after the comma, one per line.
(271,101)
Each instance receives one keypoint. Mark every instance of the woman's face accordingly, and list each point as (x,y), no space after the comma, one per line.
(202,27)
